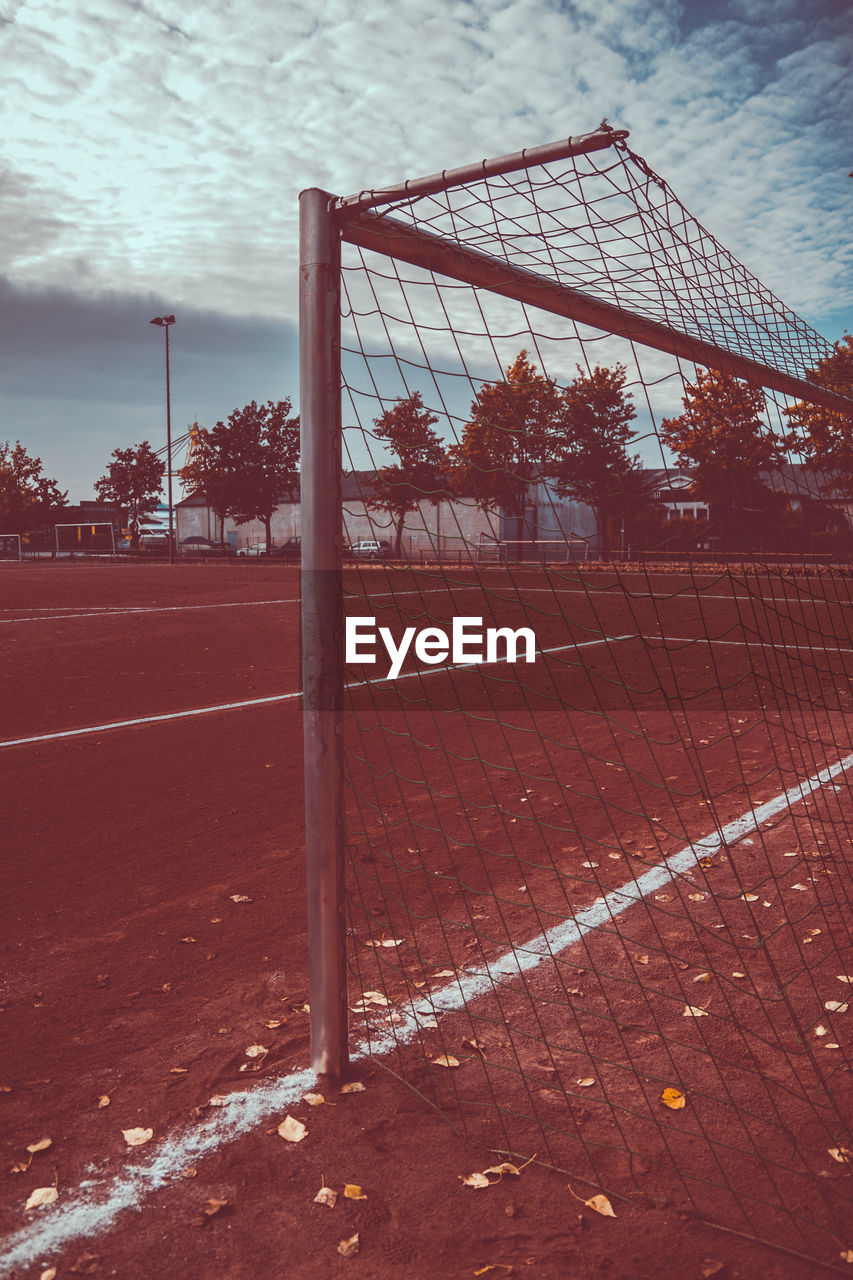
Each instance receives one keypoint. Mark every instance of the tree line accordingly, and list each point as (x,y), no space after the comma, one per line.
(523,429)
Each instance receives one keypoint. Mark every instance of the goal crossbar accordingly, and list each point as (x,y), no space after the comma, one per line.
(381,234)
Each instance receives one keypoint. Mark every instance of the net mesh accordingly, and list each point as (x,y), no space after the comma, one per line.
(599,903)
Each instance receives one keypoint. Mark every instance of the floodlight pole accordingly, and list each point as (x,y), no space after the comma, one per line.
(163,322)
(322,626)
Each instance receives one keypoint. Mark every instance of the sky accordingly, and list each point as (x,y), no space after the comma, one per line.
(153,152)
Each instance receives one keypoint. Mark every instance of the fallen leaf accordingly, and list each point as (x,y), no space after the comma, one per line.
(750,897)
(846,1255)
(601,1205)
(42,1145)
(354,1086)
(240,897)
(384,942)
(41,1195)
(137,1137)
(693,1011)
(696,897)
(275,1022)
(738,974)
(586,1082)
(474,1180)
(501,1169)
(48,1274)
(292,1130)
(835,1006)
(257,1051)
(213,1206)
(314,1099)
(702,977)
(710,1267)
(842,1154)
(590,865)
(820,1029)
(348,1248)
(445,1060)
(803,888)
(638,959)
(845,977)
(190,1172)
(178,1071)
(187,939)
(673,1098)
(473,1044)
(445,973)
(218,1100)
(352,1191)
(326,1196)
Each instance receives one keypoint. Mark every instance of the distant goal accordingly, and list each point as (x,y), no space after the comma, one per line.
(10,546)
(98,539)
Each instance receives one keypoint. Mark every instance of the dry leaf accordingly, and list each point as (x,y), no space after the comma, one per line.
(354,1086)
(137,1137)
(846,1255)
(474,1180)
(693,1011)
(240,897)
(638,959)
(710,1267)
(187,939)
(178,1071)
(835,1006)
(218,1100)
(702,977)
(471,1044)
(348,1248)
(48,1274)
(275,1022)
(384,942)
(257,1051)
(445,1060)
(601,1205)
(673,1098)
(803,888)
(292,1130)
(445,973)
(845,977)
(41,1195)
(750,897)
(213,1206)
(696,897)
(842,1154)
(40,1146)
(586,1082)
(189,1172)
(738,974)
(501,1169)
(326,1196)
(352,1191)
(314,1099)
(820,1029)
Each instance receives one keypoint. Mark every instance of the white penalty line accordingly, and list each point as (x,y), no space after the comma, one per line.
(91,1211)
(274,698)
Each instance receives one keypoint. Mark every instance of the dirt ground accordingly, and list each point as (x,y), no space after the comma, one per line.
(152,927)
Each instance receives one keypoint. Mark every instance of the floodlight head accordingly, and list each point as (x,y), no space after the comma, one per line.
(168,319)
(157,320)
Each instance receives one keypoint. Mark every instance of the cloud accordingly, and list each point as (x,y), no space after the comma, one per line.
(155,151)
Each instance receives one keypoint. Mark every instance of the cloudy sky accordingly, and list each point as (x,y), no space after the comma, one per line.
(154,150)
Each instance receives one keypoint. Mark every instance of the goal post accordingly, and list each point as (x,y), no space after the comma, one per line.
(95,538)
(10,546)
(496,838)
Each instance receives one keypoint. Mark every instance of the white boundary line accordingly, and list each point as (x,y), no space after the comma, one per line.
(407,675)
(281,697)
(91,1211)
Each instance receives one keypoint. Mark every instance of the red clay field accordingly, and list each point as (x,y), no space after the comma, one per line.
(598,929)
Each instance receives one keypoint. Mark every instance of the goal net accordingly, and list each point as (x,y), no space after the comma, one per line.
(597,904)
(96,539)
(10,546)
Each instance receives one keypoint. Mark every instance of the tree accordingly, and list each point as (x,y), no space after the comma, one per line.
(505,443)
(27,496)
(589,458)
(133,480)
(723,440)
(826,435)
(407,430)
(246,466)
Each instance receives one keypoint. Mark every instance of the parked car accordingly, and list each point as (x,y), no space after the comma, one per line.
(195,546)
(371,549)
(290,550)
(253,549)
